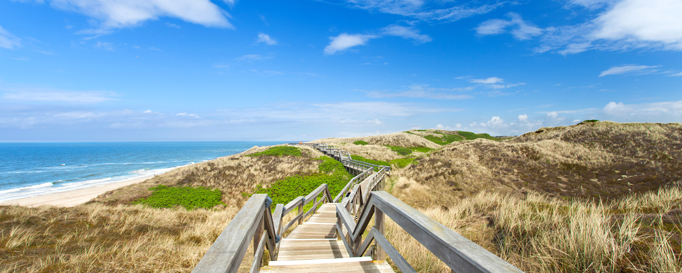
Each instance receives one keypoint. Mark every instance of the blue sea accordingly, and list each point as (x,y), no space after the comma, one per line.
(28,169)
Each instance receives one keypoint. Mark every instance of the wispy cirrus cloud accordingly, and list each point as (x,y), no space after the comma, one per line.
(345,41)
(7,40)
(48,95)
(253,57)
(120,14)
(422,91)
(425,10)
(520,29)
(495,83)
(629,69)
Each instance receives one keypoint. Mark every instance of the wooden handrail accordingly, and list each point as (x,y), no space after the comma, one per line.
(459,253)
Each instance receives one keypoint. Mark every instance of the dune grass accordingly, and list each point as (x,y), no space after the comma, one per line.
(279,151)
(542,234)
(360,142)
(443,139)
(187,197)
(472,136)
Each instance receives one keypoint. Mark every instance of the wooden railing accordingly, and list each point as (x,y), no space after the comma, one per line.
(354,212)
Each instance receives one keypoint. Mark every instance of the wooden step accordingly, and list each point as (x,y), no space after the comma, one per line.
(313,231)
(292,250)
(361,264)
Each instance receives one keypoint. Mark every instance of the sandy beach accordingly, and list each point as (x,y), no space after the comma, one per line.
(73,197)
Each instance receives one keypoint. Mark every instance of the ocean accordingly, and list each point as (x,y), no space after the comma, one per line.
(29,169)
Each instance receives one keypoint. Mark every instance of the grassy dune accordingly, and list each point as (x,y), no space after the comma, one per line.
(594,197)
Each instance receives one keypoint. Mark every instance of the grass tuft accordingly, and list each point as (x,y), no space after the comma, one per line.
(360,142)
(187,197)
(400,150)
(279,151)
(472,136)
(443,139)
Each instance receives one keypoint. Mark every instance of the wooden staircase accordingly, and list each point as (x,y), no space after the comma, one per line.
(313,247)
(334,235)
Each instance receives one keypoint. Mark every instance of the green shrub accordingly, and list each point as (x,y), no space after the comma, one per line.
(329,165)
(421,149)
(472,136)
(279,151)
(188,197)
(360,142)
(400,150)
(401,162)
(370,161)
(283,191)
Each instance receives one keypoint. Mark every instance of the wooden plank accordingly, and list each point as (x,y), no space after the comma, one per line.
(460,254)
(345,217)
(291,205)
(227,252)
(311,196)
(339,231)
(354,267)
(277,218)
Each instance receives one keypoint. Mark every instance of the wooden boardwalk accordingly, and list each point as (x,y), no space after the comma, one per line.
(335,234)
(313,247)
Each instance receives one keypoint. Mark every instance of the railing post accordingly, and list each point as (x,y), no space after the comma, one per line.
(300,212)
(257,236)
(379,253)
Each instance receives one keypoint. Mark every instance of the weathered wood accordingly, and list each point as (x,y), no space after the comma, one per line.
(311,196)
(397,259)
(459,253)
(345,217)
(291,205)
(379,253)
(258,233)
(277,218)
(269,227)
(227,252)
(339,231)
(258,258)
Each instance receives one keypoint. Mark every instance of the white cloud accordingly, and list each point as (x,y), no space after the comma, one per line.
(622,25)
(7,40)
(523,118)
(105,46)
(553,114)
(656,112)
(345,41)
(677,75)
(649,21)
(55,95)
(127,13)
(407,33)
(491,80)
(266,39)
(520,29)
(147,112)
(187,115)
(626,69)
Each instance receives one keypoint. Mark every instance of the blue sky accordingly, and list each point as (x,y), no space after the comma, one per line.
(185,70)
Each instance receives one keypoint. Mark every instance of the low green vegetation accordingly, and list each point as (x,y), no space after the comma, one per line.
(421,149)
(400,150)
(370,161)
(472,136)
(187,197)
(331,173)
(279,151)
(443,139)
(402,162)
(360,142)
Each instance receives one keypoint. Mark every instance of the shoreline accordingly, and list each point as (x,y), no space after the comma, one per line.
(74,197)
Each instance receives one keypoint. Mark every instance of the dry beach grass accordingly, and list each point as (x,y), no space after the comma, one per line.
(594,197)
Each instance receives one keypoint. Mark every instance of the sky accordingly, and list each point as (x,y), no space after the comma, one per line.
(222,70)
